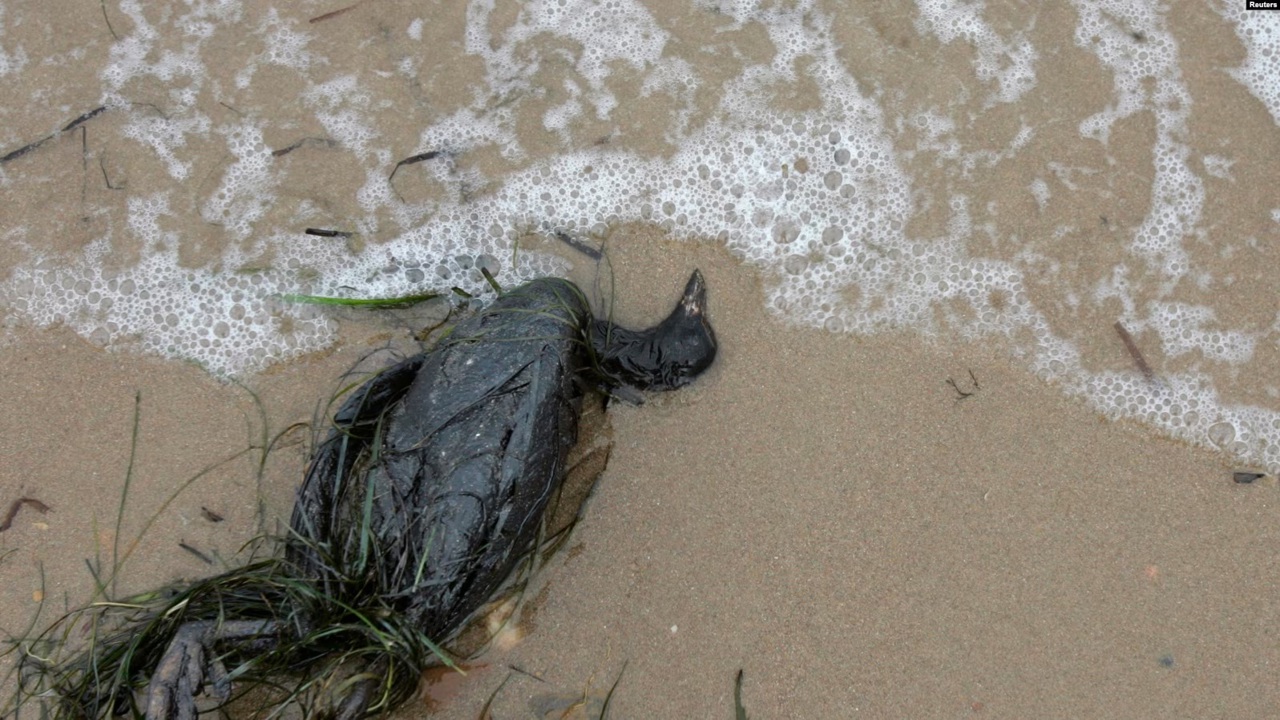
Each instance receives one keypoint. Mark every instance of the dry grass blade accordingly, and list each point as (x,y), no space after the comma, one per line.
(604,709)
(486,712)
(739,712)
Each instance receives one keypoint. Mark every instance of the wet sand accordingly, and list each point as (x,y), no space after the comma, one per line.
(828,514)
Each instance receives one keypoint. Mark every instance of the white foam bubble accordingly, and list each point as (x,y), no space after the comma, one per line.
(284,44)
(235,322)
(1185,328)
(1010,64)
(245,192)
(623,32)
(1133,40)
(12,60)
(1040,191)
(1260,34)
(1218,166)
(340,107)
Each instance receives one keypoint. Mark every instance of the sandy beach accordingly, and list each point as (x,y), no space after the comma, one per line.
(909,523)
(825,513)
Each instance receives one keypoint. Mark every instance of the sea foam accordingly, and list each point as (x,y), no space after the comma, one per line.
(821,198)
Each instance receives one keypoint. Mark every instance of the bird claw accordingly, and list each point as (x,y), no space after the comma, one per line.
(189,663)
(179,677)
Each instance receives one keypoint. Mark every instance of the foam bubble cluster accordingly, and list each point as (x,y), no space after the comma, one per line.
(236,321)
(623,32)
(245,192)
(1133,40)
(11,61)
(284,45)
(1009,64)
(1260,33)
(1187,328)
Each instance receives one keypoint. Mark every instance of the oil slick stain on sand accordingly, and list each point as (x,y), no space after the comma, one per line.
(995,170)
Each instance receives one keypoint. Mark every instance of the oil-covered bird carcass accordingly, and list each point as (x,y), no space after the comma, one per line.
(426,496)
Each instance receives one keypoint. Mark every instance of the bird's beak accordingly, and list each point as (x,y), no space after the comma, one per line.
(694,301)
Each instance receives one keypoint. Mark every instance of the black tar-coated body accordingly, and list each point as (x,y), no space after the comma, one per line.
(447,461)
(429,489)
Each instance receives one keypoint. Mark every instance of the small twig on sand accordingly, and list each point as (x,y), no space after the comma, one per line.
(335,13)
(86,117)
(103,166)
(321,232)
(17,505)
(961,393)
(420,157)
(207,560)
(1135,353)
(103,3)
(309,141)
(579,245)
(526,673)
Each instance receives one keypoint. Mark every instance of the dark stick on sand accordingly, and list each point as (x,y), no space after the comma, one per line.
(312,141)
(420,157)
(335,13)
(17,505)
(320,232)
(86,117)
(205,558)
(961,393)
(103,3)
(1135,353)
(579,245)
(103,166)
